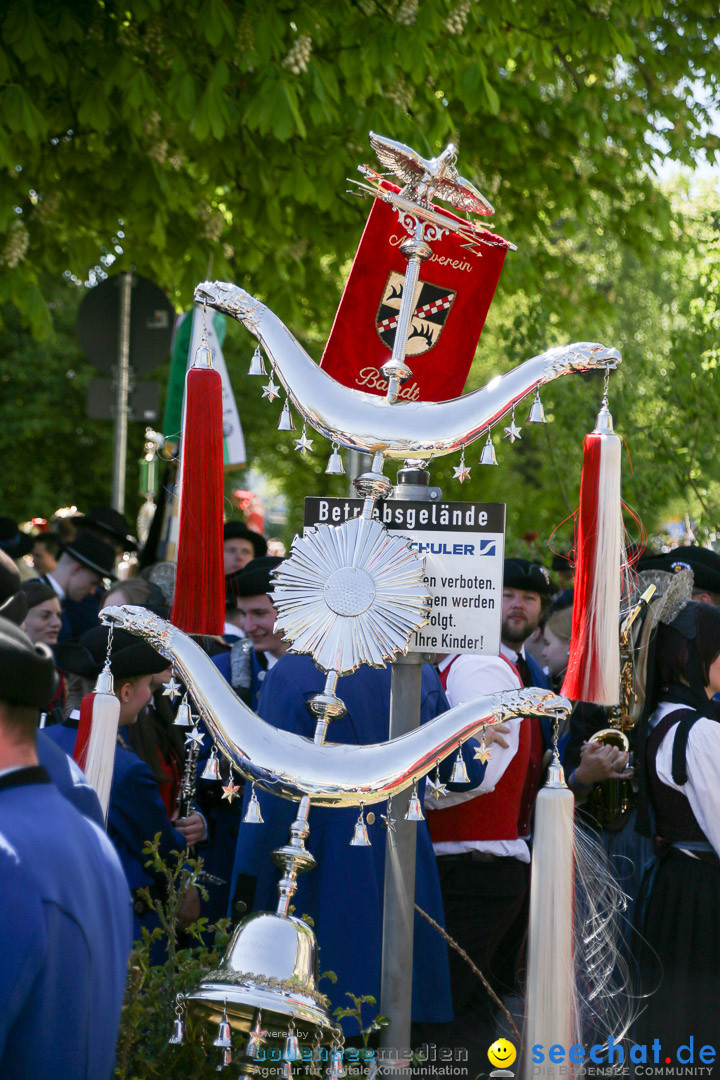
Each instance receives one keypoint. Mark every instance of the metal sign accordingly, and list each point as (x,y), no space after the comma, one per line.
(464,549)
(143,400)
(151,323)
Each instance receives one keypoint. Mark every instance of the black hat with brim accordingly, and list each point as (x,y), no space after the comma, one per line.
(37,592)
(531,577)
(130,655)
(108,522)
(238,530)
(27,672)
(13,542)
(13,604)
(704,563)
(91,551)
(254,579)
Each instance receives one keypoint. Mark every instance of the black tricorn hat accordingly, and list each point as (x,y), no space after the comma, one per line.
(13,604)
(130,655)
(92,552)
(704,563)
(13,542)
(109,523)
(27,671)
(522,574)
(238,530)
(254,579)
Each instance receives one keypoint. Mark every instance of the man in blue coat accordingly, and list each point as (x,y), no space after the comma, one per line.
(66,921)
(344,893)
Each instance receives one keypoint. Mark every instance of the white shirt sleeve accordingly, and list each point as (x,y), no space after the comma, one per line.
(703,767)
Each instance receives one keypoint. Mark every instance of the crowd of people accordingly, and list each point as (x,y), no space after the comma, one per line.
(71,882)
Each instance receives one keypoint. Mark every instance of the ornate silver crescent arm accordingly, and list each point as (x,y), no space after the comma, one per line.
(293,766)
(406,429)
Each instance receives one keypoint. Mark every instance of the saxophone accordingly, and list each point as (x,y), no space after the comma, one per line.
(612,801)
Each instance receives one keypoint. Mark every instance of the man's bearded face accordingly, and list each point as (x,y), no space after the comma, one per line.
(520,615)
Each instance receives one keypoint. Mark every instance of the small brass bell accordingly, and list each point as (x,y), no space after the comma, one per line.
(286,422)
(414,810)
(212,767)
(253,814)
(459,774)
(487,456)
(360,833)
(184,717)
(257,364)
(537,413)
(335,465)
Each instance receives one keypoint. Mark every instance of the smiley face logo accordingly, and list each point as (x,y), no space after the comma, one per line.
(502,1053)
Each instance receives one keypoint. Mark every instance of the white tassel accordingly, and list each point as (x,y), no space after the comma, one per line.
(100,759)
(593,672)
(551,1006)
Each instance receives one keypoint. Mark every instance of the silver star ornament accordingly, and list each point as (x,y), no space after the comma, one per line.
(513,431)
(461,472)
(303,444)
(172,689)
(195,737)
(271,391)
(437,787)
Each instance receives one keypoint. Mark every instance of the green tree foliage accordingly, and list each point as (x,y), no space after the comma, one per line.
(168,135)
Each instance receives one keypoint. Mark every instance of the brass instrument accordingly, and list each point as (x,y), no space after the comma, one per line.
(612,801)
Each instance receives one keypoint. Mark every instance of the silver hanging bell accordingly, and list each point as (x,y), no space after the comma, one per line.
(459,774)
(336,1070)
(414,810)
(286,422)
(291,1050)
(178,1032)
(487,456)
(360,836)
(253,814)
(537,413)
(226,1059)
(335,465)
(257,364)
(184,717)
(223,1039)
(212,767)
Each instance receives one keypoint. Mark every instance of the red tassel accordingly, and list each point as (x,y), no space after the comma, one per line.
(84,729)
(593,672)
(199,601)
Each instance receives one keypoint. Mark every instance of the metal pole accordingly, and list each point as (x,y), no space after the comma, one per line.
(122,386)
(399,897)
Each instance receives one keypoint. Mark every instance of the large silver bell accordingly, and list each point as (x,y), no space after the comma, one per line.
(281,953)
(184,716)
(223,1039)
(253,814)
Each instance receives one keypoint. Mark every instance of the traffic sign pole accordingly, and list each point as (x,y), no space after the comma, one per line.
(122,382)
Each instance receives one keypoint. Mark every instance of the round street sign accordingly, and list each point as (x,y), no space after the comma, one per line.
(151,324)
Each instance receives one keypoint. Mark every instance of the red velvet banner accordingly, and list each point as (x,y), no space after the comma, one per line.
(453,296)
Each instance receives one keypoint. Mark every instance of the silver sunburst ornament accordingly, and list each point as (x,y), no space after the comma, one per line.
(350,594)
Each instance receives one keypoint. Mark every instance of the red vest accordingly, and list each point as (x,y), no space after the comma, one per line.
(493,816)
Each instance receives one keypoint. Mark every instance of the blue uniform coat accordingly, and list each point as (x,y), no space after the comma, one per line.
(344,893)
(65,936)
